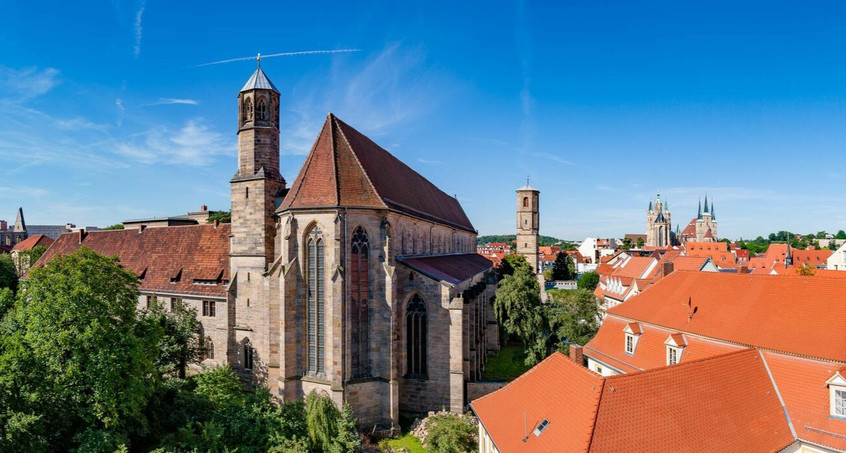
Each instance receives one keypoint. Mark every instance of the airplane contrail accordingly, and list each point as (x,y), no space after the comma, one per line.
(283,54)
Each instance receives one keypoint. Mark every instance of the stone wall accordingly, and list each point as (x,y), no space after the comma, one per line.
(476,390)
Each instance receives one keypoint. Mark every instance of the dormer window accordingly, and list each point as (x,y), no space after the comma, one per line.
(675,347)
(632,331)
(837,395)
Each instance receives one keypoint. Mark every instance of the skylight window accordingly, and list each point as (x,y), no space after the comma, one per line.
(542,426)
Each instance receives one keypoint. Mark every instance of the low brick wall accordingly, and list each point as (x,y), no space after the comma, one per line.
(477,390)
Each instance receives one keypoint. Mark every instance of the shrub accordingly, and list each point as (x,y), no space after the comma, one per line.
(449,433)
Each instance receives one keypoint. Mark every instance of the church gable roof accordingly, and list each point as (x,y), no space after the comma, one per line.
(452,269)
(345,168)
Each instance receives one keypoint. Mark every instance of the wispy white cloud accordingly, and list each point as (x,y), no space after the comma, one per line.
(554,158)
(391,87)
(18,85)
(192,144)
(19,192)
(429,162)
(170,101)
(138,16)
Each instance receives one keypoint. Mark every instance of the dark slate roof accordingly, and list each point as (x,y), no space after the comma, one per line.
(345,168)
(259,81)
(166,259)
(452,269)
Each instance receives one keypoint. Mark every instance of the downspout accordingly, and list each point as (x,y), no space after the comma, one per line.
(344,341)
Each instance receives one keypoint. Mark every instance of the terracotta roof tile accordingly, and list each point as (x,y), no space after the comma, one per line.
(558,390)
(724,403)
(801,315)
(801,383)
(345,168)
(32,241)
(199,252)
(452,269)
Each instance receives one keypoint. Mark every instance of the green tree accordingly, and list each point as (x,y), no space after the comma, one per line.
(589,281)
(28,258)
(820,235)
(840,234)
(511,263)
(518,309)
(640,242)
(330,430)
(627,244)
(574,317)
(71,355)
(450,433)
(221,216)
(8,272)
(561,268)
(181,343)
(117,226)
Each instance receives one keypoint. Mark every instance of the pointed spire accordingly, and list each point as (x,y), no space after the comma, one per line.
(713,217)
(699,212)
(706,203)
(20,225)
(650,206)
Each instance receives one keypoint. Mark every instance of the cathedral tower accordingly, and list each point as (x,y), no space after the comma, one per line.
(658,224)
(528,223)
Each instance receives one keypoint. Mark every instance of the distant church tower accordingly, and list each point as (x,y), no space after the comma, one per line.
(528,223)
(658,224)
(257,190)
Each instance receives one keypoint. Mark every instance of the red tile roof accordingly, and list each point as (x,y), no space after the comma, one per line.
(811,257)
(32,241)
(345,168)
(558,390)
(801,383)
(724,403)
(157,255)
(452,269)
(796,314)
(609,346)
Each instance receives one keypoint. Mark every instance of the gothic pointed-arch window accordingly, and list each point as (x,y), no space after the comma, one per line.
(247,111)
(315,306)
(416,326)
(261,110)
(360,289)
(249,355)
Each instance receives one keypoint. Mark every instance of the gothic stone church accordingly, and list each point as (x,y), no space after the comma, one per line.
(360,280)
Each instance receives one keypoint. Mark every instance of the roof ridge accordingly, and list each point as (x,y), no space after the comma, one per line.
(357,160)
(682,364)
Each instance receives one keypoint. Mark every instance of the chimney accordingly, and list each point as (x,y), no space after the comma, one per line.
(81,234)
(744,269)
(204,208)
(576,354)
(216,223)
(668,268)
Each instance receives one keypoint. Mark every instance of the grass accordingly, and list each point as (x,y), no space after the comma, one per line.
(507,365)
(405,441)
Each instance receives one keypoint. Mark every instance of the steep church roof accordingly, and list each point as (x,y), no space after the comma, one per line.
(345,168)
(259,81)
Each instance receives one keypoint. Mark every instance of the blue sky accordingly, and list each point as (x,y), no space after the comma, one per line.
(104,115)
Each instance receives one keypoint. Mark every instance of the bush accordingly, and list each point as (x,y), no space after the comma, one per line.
(450,433)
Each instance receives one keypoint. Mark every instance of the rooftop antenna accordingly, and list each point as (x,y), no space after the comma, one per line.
(525,428)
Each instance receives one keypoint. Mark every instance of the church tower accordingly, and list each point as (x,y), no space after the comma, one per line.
(658,224)
(257,186)
(257,190)
(528,224)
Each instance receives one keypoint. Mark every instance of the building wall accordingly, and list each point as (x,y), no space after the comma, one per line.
(528,225)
